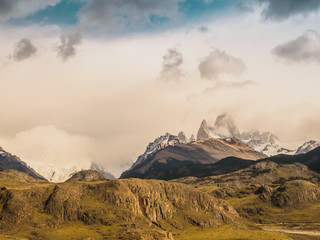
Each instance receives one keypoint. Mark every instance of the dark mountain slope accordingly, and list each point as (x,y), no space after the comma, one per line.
(9,161)
(310,159)
(186,159)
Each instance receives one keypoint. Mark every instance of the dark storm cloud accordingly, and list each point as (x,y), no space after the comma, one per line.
(68,43)
(219,62)
(22,8)
(24,49)
(117,14)
(204,29)
(283,9)
(172,61)
(243,7)
(305,48)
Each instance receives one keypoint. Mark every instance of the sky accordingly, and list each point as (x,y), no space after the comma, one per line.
(97,80)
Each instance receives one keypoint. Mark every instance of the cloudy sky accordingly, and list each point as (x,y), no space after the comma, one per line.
(97,80)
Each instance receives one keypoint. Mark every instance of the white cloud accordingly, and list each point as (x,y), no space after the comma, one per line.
(305,48)
(172,61)
(219,62)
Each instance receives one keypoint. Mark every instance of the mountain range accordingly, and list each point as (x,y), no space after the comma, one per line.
(171,156)
(216,187)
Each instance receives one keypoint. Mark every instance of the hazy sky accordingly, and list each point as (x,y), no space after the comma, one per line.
(98,80)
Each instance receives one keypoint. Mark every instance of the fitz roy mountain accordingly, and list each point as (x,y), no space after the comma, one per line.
(221,141)
(265,142)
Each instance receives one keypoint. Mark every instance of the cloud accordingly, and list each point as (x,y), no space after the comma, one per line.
(283,9)
(119,14)
(219,62)
(204,29)
(232,85)
(243,7)
(13,9)
(67,47)
(305,48)
(24,49)
(172,61)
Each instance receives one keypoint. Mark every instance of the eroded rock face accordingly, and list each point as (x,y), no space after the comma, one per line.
(132,203)
(205,131)
(155,200)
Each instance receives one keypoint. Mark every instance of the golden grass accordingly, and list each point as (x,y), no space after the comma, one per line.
(226,232)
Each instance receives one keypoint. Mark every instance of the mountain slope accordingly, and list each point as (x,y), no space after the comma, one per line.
(310,159)
(9,161)
(162,142)
(307,147)
(207,151)
(266,191)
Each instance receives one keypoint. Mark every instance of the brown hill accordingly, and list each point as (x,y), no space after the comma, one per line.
(205,151)
(87,176)
(267,192)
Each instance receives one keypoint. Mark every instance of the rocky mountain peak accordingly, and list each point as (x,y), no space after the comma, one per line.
(205,131)
(182,137)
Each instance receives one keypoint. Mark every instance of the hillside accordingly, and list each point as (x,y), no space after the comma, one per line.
(160,165)
(268,193)
(112,209)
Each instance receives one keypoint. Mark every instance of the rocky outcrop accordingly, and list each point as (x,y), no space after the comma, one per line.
(87,176)
(295,192)
(133,207)
(204,131)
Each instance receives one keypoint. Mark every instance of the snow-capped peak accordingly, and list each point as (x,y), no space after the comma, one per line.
(162,142)
(225,127)
(307,147)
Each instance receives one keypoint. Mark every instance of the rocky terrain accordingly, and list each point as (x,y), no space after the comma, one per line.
(267,192)
(238,200)
(112,209)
